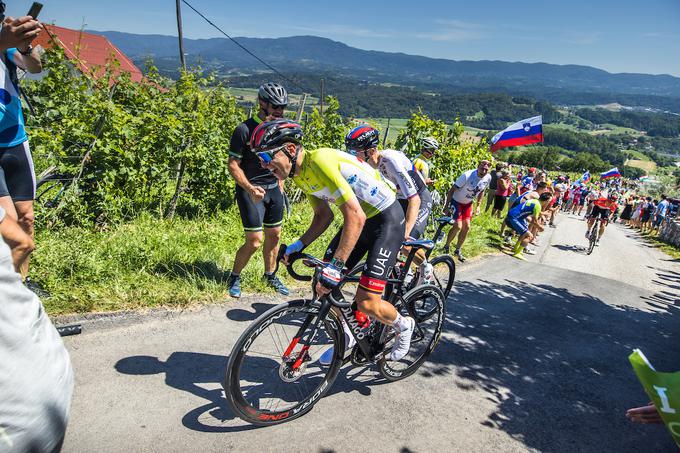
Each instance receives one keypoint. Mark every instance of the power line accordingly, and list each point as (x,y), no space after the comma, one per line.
(242,47)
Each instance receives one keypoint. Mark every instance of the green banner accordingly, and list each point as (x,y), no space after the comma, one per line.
(663,390)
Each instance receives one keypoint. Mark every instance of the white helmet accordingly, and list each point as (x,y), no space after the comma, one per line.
(429,143)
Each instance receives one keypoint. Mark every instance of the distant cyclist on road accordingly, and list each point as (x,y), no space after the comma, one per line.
(428,147)
(259,194)
(602,208)
(395,167)
(373,221)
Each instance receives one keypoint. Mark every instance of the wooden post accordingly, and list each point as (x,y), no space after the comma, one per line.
(302,107)
(179,33)
(321,99)
(387,131)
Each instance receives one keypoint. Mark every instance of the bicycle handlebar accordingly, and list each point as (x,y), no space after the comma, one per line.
(309,261)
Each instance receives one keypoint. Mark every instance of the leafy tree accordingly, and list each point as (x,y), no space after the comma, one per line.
(454,155)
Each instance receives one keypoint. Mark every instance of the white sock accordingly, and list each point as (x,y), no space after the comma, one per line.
(400,323)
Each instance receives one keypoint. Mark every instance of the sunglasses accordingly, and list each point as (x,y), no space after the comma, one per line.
(278,107)
(267,156)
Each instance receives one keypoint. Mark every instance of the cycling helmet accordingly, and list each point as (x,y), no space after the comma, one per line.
(273,93)
(275,133)
(429,143)
(362,137)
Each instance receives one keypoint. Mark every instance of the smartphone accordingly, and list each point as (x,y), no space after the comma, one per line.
(35,10)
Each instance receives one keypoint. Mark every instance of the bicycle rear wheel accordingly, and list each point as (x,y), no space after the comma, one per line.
(49,189)
(425,304)
(444,270)
(274,374)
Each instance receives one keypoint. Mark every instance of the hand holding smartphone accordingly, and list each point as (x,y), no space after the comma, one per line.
(35,10)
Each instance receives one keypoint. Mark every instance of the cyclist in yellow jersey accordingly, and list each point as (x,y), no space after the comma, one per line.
(373,221)
(428,146)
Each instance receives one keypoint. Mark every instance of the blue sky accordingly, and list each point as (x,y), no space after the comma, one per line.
(618,36)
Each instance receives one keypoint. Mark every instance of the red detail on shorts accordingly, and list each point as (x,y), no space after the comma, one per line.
(462,211)
(372,284)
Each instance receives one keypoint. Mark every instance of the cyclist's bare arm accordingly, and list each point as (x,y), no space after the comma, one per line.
(412,213)
(354,220)
(323,217)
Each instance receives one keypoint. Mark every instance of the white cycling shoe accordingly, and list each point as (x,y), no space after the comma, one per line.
(402,342)
(327,356)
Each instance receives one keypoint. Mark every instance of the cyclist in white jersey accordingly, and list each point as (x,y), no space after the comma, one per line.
(395,167)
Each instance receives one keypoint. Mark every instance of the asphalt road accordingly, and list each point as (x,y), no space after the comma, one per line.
(533,358)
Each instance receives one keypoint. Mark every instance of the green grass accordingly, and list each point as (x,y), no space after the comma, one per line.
(667,248)
(150,262)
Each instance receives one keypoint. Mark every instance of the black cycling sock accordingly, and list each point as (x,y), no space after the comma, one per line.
(268,274)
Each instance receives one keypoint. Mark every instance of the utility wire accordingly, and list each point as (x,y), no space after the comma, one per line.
(242,47)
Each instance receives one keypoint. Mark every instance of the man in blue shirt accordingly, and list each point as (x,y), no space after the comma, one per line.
(661,212)
(17,177)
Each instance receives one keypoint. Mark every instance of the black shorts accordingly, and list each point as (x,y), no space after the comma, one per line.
(423,213)
(601,212)
(381,237)
(268,213)
(17,177)
(499,202)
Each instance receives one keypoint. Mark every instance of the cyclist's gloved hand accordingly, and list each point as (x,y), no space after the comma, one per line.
(296,246)
(330,276)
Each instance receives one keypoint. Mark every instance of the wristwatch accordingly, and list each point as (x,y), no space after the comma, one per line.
(338,264)
(27,51)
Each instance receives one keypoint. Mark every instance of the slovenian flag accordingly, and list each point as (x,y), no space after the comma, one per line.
(523,132)
(613,173)
(586,177)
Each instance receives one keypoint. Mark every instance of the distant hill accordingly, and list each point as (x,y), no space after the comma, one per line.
(559,83)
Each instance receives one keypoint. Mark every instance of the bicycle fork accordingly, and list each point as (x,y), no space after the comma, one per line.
(305,338)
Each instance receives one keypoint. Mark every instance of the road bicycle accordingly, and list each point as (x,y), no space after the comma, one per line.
(274,374)
(443,266)
(593,236)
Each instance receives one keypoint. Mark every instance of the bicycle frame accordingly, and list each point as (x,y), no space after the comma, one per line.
(371,346)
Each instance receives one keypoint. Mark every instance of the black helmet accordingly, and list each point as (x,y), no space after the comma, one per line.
(275,133)
(362,137)
(273,93)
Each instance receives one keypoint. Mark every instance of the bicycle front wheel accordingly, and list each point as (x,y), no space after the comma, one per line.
(425,304)
(274,374)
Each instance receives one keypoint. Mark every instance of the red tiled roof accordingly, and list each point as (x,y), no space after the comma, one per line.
(86,51)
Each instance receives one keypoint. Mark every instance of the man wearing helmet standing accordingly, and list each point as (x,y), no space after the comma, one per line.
(259,194)
(428,146)
(373,221)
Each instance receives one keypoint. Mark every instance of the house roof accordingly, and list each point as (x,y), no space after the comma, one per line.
(89,52)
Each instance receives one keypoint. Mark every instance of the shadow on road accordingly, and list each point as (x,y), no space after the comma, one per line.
(555,363)
(570,248)
(256,309)
(192,372)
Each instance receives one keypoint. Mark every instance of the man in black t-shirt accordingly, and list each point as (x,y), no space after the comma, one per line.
(491,190)
(259,194)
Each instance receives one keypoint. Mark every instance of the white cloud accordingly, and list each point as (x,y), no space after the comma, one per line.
(454,30)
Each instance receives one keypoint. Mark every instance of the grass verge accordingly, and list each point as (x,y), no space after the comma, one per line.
(150,262)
